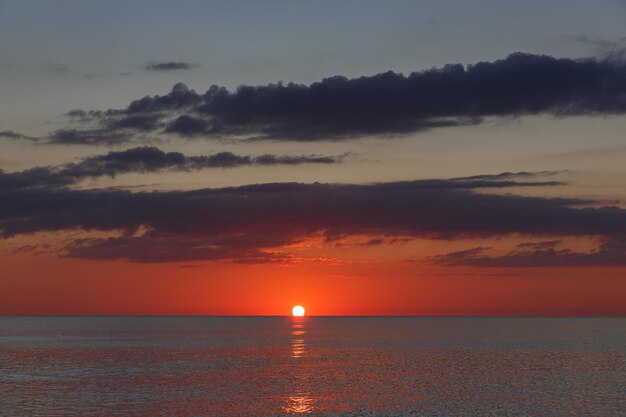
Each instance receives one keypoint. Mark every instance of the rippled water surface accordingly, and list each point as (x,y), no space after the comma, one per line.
(204,366)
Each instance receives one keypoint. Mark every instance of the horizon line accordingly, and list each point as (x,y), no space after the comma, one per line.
(304,317)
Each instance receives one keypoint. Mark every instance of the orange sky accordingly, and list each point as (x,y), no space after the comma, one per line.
(44,285)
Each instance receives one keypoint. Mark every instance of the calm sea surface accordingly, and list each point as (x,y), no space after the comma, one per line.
(199,366)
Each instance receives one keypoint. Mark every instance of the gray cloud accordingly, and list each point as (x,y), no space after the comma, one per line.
(169,66)
(138,122)
(9,134)
(87,137)
(186,125)
(614,50)
(142,160)
(78,114)
(57,69)
(384,104)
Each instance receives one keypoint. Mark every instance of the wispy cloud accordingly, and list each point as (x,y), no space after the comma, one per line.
(169,66)
(10,134)
(610,252)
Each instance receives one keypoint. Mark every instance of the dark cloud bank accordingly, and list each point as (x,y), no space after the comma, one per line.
(141,160)
(243,224)
(384,104)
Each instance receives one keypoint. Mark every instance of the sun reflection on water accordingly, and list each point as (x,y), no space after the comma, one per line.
(300,402)
(297,343)
(297,348)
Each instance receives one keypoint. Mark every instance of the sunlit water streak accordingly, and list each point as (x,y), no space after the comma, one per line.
(300,402)
(312,366)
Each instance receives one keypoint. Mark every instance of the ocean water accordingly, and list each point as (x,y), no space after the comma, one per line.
(318,366)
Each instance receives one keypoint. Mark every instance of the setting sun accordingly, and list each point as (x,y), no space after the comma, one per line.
(297,311)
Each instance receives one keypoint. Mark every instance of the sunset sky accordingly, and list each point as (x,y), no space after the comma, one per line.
(353,157)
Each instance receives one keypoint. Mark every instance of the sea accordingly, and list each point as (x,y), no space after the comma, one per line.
(318,366)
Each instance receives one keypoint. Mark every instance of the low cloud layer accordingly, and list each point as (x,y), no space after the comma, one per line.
(389,103)
(611,252)
(142,160)
(247,224)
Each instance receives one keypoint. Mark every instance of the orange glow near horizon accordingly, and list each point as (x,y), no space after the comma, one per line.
(48,286)
(364,280)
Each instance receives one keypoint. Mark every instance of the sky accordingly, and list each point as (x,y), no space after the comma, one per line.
(357,158)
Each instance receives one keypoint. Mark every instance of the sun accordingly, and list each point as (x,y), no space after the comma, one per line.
(297,311)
